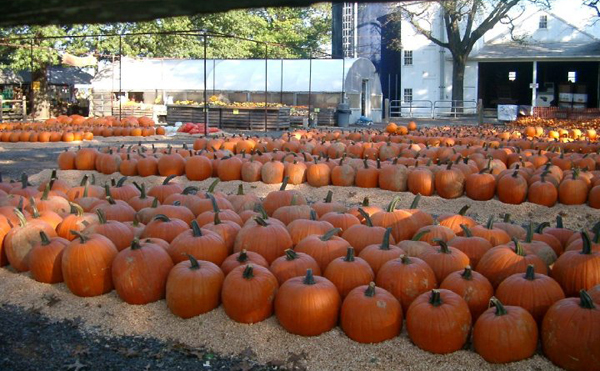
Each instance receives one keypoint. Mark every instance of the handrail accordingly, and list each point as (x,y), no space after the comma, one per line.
(400,108)
(454,108)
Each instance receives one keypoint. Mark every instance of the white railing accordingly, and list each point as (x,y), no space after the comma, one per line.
(414,108)
(454,108)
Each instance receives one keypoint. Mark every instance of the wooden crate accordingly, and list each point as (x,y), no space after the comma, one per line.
(127,111)
(232,118)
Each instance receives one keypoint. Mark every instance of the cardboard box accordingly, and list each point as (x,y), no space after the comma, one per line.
(565,88)
(565,105)
(580,98)
(565,97)
(580,89)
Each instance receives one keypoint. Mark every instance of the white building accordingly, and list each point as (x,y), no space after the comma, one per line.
(560,56)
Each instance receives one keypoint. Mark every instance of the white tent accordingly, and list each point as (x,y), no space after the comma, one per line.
(354,76)
(235,75)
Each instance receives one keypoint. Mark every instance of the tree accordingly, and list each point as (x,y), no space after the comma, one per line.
(465,22)
(296,32)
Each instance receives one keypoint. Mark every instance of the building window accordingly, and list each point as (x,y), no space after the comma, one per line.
(348,30)
(408,95)
(572,76)
(512,76)
(408,58)
(544,21)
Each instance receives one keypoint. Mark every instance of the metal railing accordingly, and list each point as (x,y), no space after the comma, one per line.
(12,111)
(454,108)
(414,108)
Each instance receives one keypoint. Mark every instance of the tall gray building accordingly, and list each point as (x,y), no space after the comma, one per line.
(370,30)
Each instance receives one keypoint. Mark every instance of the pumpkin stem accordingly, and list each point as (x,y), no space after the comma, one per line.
(364,214)
(329,197)
(365,202)
(349,255)
(313,214)
(586,301)
(418,236)
(24,181)
(111,200)
(213,201)
(107,190)
(559,222)
(45,239)
(392,206)
(261,210)
(196,231)
(101,216)
(217,220)
(142,190)
(121,182)
(370,291)
(194,262)
(587,244)
(168,179)
(284,183)
(435,299)
(463,210)
(248,272)
(242,256)
(327,236)
(85,191)
(46,192)
(467,274)
(154,203)
(162,218)
(240,191)
(506,218)
(84,181)
(21,217)
(405,259)
(529,237)
(466,230)
(290,255)
(83,238)
(415,202)
(530,273)
(518,247)
(500,310)
(490,222)
(260,221)
(540,228)
(309,279)
(76,209)
(443,246)
(135,244)
(385,244)
(212,186)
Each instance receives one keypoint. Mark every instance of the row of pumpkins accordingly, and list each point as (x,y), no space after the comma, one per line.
(510,174)
(555,123)
(77,128)
(314,266)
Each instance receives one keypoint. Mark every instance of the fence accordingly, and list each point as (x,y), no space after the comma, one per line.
(566,113)
(415,108)
(435,109)
(454,108)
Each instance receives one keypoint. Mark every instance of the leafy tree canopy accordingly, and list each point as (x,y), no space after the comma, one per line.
(296,32)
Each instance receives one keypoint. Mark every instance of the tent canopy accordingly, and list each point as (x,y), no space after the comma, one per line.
(247,75)
(57,75)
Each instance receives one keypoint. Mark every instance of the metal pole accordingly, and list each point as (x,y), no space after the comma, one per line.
(266,81)
(205,107)
(214,74)
(32,93)
(396,88)
(120,72)
(281,84)
(343,78)
(309,84)
(389,86)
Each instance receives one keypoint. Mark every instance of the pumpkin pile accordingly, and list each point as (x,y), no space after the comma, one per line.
(451,162)
(76,128)
(315,266)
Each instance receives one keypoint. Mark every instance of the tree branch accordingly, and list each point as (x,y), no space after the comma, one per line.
(413,19)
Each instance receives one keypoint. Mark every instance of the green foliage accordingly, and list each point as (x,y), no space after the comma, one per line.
(298,31)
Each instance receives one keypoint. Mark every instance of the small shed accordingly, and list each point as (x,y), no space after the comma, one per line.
(319,84)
